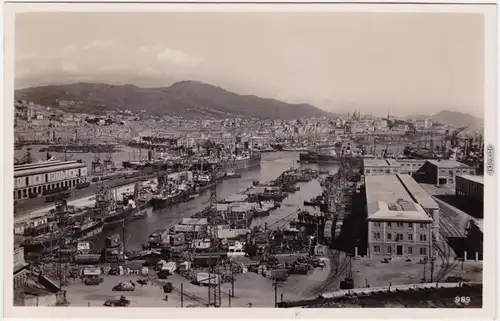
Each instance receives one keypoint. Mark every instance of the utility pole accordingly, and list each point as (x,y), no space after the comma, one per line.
(230,294)
(232,281)
(182,295)
(275,294)
(432,268)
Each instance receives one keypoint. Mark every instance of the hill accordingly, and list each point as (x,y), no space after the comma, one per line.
(455,119)
(185,98)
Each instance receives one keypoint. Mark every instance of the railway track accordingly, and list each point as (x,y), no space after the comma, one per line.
(449,263)
(337,268)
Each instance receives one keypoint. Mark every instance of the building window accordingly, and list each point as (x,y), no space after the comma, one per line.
(376,224)
(423,251)
(399,224)
(376,249)
(410,250)
(389,236)
(376,236)
(423,237)
(389,224)
(389,250)
(410,225)
(27,181)
(19,194)
(399,237)
(423,226)
(387,171)
(410,237)
(367,171)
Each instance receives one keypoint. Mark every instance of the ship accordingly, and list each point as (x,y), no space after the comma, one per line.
(312,157)
(419,153)
(134,165)
(85,148)
(106,208)
(46,242)
(242,162)
(85,230)
(65,225)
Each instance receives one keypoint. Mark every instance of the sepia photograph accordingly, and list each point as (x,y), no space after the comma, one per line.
(279,158)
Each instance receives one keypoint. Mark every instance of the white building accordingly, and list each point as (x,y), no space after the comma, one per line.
(36,178)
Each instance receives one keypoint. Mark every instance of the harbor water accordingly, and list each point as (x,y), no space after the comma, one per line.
(273,164)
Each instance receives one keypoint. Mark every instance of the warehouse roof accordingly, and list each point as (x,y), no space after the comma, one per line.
(474,178)
(375,162)
(447,163)
(412,212)
(388,199)
(386,188)
(48,168)
(417,192)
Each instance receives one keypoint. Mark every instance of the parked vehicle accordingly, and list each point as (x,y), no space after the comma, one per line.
(168,287)
(93,281)
(128,286)
(122,302)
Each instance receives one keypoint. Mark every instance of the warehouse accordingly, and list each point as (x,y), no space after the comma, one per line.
(380,167)
(470,186)
(392,166)
(420,196)
(397,225)
(443,172)
(36,178)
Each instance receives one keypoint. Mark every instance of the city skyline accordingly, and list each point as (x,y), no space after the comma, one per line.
(429,61)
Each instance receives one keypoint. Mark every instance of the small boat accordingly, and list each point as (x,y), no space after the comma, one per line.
(193,196)
(141,214)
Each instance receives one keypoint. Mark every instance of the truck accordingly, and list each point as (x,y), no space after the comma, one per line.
(158,238)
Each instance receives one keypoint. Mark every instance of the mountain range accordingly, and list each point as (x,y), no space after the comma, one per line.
(455,119)
(185,98)
(193,99)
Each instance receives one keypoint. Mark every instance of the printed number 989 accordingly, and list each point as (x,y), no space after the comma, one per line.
(462,299)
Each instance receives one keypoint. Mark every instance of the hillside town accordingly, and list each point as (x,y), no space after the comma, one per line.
(354,210)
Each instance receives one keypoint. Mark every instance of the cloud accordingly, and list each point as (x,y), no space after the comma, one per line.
(177,58)
(69,68)
(94,58)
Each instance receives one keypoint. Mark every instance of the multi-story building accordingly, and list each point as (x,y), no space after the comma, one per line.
(397,225)
(380,167)
(36,178)
(392,166)
(410,166)
(443,172)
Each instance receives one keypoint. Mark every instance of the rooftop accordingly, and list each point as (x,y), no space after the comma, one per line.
(393,162)
(376,162)
(405,211)
(388,199)
(386,188)
(447,163)
(417,192)
(474,178)
(47,168)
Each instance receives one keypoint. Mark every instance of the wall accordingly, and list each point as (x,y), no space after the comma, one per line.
(379,236)
(465,187)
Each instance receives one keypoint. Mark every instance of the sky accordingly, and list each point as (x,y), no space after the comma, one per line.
(405,63)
